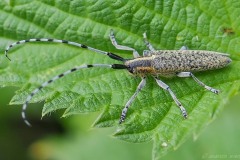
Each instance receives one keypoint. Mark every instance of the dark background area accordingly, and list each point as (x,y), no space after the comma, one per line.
(57,138)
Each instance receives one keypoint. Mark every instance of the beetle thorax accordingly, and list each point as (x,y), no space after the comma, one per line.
(140,66)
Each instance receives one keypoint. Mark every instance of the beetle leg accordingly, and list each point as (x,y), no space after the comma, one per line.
(184,48)
(114,42)
(147,43)
(146,53)
(189,74)
(125,109)
(166,87)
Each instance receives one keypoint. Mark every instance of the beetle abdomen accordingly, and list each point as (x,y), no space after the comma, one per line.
(170,61)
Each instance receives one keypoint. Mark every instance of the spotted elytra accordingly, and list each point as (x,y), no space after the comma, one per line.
(156,63)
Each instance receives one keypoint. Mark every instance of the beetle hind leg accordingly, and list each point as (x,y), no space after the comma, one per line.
(189,74)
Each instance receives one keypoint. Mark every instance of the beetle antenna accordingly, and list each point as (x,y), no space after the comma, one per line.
(30,96)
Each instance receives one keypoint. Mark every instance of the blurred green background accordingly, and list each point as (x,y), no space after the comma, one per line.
(55,138)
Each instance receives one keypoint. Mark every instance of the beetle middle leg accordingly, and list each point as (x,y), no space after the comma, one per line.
(166,87)
(151,48)
(114,42)
(189,74)
(125,109)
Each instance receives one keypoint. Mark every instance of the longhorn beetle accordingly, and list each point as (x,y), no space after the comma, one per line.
(165,63)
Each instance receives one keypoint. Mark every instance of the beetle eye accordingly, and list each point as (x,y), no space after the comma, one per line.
(130,69)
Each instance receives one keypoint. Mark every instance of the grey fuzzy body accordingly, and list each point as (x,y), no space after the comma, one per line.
(169,62)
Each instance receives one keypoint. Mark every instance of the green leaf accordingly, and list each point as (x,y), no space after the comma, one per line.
(206,25)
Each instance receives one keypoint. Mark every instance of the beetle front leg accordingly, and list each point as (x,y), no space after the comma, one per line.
(121,47)
(125,109)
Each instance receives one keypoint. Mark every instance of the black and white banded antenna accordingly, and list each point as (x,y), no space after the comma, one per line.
(111,55)
(35,91)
